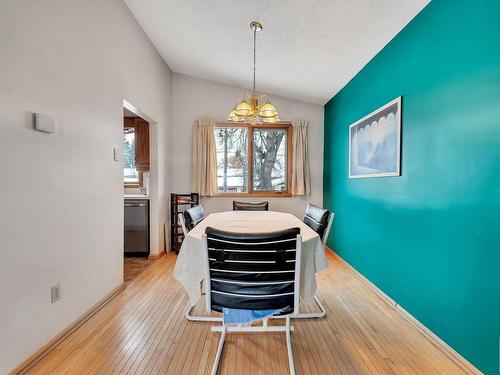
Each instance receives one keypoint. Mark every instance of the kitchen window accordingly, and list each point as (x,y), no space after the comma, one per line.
(253,159)
(135,151)
(130,173)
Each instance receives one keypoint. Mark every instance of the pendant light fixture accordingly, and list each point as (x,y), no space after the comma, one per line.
(250,110)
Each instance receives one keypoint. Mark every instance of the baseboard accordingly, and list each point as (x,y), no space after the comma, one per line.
(156,256)
(33,359)
(438,342)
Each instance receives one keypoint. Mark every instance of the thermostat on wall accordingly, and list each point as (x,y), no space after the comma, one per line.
(45,123)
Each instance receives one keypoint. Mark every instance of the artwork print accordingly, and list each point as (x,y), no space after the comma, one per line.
(375,143)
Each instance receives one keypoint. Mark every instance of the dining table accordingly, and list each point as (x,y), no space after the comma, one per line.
(189,270)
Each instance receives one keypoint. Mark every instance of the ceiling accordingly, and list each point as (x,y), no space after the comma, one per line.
(308,49)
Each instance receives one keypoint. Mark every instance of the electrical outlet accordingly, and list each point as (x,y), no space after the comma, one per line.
(55,293)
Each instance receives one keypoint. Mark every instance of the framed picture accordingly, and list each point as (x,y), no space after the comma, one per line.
(375,143)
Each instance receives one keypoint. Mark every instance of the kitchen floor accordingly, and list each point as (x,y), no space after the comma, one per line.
(134,266)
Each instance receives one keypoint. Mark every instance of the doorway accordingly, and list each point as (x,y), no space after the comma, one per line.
(137,193)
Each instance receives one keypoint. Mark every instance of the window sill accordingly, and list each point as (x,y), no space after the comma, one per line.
(264,194)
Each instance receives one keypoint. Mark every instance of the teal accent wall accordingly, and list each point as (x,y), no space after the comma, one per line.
(430,239)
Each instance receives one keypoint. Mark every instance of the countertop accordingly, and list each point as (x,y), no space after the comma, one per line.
(135,196)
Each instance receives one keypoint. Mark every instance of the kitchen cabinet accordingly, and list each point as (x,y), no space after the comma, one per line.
(142,145)
(141,129)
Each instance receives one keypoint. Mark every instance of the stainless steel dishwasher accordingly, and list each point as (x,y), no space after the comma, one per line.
(136,241)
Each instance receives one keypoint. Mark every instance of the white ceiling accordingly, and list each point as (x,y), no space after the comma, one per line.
(308,50)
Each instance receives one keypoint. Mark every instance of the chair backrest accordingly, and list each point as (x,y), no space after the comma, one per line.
(250,206)
(183,223)
(317,219)
(328,227)
(193,216)
(256,271)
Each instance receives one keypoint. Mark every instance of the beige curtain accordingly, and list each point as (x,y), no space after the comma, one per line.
(300,159)
(204,168)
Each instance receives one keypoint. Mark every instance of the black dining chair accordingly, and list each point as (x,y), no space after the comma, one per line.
(253,271)
(250,206)
(319,220)
(182,221)
(192,217)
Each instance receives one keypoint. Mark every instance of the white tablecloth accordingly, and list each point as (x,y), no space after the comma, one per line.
(189,266)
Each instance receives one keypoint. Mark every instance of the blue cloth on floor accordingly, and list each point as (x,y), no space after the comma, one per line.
(240,316)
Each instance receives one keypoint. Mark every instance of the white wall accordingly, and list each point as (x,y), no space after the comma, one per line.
(61,217)
(196,98)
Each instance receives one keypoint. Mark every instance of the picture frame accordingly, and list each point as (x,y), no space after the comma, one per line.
(375,143)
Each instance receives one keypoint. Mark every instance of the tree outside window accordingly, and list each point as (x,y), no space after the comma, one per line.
(252,150)
(130,174)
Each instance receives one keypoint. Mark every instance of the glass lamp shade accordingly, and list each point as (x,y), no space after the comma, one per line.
(243,109)
(268,111)
(270,120)
(233,117)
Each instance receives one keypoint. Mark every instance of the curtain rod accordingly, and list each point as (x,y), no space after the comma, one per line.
(242,123)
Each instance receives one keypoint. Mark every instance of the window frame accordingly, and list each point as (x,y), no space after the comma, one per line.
(139,183)
(250,150)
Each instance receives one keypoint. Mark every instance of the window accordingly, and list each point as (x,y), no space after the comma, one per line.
(232,162)
(253,159)
(135,151)
(130,174)
(269,160)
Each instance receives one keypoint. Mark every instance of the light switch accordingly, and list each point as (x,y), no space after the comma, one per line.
(116,154)
(45,123)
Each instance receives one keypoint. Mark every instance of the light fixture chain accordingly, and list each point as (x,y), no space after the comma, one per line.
(254,55)
(249,110)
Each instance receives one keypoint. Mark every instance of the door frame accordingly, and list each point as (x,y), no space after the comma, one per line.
(156,236)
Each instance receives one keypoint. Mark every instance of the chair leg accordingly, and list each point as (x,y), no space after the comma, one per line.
(291,362)
(312,315)
(223,329)
(195,318)
(321,314)
(322,308)
(219,351)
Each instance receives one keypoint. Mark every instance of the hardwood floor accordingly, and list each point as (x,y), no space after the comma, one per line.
(143,331)
(134,266)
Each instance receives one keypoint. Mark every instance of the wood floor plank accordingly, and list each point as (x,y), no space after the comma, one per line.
(89,332)
(143,331)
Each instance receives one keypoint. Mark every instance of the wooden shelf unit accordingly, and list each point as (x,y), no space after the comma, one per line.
(176,207)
